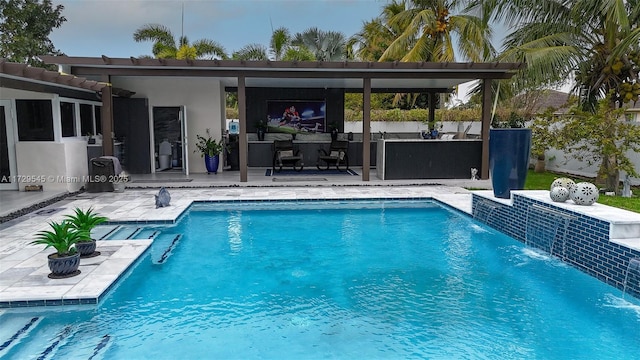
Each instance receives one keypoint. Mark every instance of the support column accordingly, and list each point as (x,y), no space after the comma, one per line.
(432,110)
(366,128)
(487,101)
(243,145)
(106,114)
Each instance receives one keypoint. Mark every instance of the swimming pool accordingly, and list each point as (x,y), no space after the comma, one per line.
(353,279)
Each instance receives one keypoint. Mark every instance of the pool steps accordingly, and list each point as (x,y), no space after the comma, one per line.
(18,329)
(163,243)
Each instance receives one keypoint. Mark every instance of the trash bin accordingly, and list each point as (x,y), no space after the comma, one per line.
(101,174)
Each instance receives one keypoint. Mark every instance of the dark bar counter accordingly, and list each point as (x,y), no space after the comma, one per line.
(399,159)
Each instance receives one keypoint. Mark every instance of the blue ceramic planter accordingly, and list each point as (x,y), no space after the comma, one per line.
(508,160)
(211,163)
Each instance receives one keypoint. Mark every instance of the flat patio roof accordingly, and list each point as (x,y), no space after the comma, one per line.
(301,74)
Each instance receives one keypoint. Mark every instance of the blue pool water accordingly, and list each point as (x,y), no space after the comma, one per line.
(391,279)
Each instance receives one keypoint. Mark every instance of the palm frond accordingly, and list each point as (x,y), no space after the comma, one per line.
(251,52)
(280,40)
(155,32)
(209,47)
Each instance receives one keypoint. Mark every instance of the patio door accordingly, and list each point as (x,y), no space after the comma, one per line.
(170,138)
(185,147)
(8,173)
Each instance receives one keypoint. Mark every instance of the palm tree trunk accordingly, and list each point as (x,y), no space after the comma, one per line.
(540,165)
(609,174)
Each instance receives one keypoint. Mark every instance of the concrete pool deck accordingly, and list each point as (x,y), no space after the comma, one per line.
(23,267)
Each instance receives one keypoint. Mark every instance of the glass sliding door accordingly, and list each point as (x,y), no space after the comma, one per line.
(7,148)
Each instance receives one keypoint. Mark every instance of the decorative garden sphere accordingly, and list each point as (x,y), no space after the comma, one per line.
(564,182)
(559,194)
(585,194)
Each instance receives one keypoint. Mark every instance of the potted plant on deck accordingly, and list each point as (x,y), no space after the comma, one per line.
(509,149)
(261,129)
(85,221)
(210,149)
(333,129)
(63,236)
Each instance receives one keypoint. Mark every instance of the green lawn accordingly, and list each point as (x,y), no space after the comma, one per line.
(542,181)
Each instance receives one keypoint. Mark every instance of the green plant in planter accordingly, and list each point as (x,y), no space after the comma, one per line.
(62,236)
(261,125)
(513,121)
(85,221)
(333,129)
(261,129)
(209,146)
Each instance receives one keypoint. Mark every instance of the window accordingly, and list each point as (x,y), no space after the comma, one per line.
(86,119)
(67,116)
(35,120)
(98,114)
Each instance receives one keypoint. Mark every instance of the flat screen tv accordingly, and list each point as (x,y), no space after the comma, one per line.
(293,116)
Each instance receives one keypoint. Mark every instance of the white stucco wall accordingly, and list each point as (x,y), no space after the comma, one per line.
(59,166)
(203,98)
(76,166)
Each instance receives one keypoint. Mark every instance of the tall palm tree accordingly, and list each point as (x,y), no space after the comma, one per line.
(597,41)
(377,34)
(325,45)
(165,45)
(428,28)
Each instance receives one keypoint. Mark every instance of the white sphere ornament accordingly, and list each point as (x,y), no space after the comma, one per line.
(584,194)
(559,194)
(564,182)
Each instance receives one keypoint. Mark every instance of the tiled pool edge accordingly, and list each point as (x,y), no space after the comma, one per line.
(588,246)
(93,299)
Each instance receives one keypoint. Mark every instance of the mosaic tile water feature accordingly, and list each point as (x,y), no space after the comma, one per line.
(586,240)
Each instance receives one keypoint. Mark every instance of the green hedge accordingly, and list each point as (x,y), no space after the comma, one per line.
(420,115)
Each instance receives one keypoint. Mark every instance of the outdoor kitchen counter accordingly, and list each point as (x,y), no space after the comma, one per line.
(398,159)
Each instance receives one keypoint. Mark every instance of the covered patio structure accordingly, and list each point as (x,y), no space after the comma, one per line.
(326,77)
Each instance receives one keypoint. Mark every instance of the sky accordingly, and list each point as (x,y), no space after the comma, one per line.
(105,27)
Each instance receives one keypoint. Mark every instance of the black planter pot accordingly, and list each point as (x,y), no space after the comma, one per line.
(334,134)
(508,160)
(260,133)
(64,267)
(86,248)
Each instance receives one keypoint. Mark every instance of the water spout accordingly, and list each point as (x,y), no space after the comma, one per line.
(483,210)
(633,269)
(544,227)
